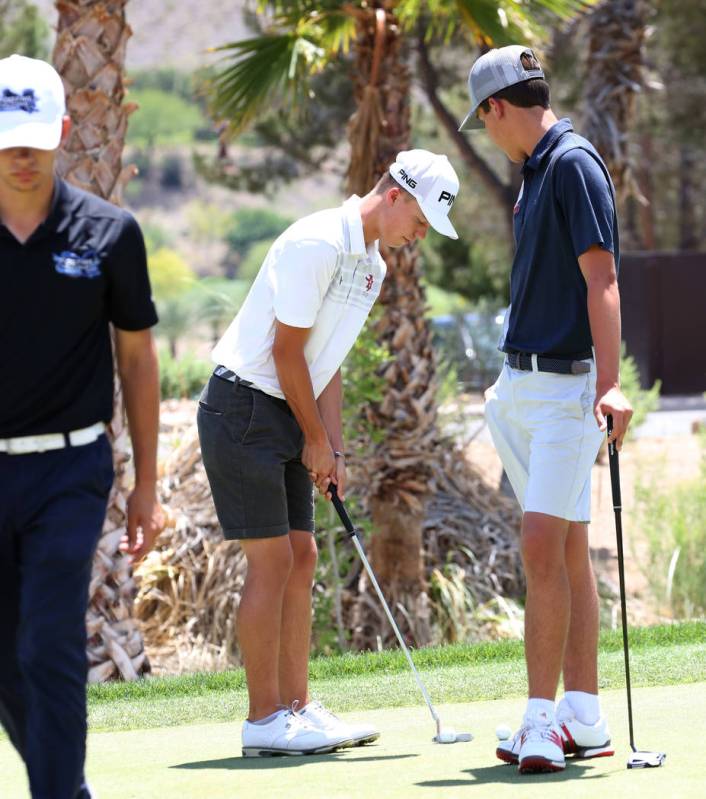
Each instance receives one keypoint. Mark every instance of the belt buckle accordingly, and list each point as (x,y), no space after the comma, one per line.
(580,367)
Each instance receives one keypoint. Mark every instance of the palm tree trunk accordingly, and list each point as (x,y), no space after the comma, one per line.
(398,472)
(90,56)
(614,77)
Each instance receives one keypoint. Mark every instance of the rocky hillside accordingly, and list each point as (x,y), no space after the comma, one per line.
(174,33)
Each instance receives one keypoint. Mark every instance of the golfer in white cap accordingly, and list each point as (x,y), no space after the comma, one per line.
(270,428)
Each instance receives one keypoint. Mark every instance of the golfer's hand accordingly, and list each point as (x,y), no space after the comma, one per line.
(339,478)
(145,521)
(615,403)
(320,462)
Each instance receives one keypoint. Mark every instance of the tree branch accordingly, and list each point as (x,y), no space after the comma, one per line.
(430,82)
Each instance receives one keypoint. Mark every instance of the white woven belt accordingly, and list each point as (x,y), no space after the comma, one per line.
(23,445)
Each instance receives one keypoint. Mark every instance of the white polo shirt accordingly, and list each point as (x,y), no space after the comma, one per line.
(318,274)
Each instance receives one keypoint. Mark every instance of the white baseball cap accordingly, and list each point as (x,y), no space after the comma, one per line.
(32,104)
(496,70)
(431,180)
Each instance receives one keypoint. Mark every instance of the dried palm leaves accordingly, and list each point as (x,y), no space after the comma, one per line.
(190,586)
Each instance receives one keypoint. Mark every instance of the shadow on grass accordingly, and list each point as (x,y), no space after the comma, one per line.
(509,775)
(256,763)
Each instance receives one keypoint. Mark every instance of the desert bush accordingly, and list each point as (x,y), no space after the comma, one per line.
(673,522)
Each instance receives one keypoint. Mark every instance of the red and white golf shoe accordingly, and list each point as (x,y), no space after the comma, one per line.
(583,740)
(578,740)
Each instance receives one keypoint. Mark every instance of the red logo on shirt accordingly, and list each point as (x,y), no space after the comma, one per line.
(368,282)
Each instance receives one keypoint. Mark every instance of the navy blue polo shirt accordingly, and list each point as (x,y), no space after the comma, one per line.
(565,206)
(83,267)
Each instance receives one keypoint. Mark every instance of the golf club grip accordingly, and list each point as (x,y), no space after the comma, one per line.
(614,466)
(340,509)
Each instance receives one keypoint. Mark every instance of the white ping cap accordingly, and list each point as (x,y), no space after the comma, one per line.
(32,104)
(432,181)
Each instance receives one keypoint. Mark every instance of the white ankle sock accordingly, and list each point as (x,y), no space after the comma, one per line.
(586,706)
(538,707)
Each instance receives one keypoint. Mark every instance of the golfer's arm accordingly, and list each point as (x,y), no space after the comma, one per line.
(139,375)
(295,380)
(330,403)
(598,268)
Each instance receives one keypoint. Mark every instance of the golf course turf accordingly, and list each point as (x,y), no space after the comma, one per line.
(181,736)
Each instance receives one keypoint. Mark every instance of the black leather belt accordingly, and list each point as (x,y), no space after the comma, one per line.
(523,361)
(231,377)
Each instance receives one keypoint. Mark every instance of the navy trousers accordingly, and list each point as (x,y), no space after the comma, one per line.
(52,507)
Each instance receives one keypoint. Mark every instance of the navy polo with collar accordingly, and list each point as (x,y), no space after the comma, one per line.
(566,205)
(83,267)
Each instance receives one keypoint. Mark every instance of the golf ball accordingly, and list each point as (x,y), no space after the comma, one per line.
(447,736)
(502,732)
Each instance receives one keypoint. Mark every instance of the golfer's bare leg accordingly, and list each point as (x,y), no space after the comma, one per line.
(295,638)
(581,654)
(259,619)
(548,601)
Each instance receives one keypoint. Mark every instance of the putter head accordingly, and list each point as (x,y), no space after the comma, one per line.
(646,759)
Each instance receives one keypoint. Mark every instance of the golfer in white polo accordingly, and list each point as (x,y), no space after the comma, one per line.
(270,428)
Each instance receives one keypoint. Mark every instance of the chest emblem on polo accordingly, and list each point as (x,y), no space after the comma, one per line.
(27,101)
(369,280)
(86,264)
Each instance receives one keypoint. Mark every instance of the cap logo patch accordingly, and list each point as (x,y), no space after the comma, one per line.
(72,264)
(528,61)
(446,195)
(27,101)
(410,181)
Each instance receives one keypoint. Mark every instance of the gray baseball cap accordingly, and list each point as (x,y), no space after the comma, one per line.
(496,70)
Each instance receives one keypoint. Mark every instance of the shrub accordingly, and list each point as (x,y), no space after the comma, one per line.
(674,523)
(184,376)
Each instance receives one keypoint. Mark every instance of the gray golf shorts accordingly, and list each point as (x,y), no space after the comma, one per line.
(251,445)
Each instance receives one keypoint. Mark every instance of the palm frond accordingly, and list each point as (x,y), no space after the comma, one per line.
(489,22)
(276,66)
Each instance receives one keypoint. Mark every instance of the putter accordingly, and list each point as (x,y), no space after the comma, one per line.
(638,758)
(444,735)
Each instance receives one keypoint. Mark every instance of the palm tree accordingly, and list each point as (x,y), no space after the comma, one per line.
(89,55)
(615,62)
(303,38)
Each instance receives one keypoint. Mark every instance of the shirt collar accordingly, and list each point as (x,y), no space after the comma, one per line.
(53,218)
(547,143)
(354,222)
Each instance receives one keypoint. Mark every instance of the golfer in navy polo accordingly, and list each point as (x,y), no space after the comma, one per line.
(547,411)
(70,264)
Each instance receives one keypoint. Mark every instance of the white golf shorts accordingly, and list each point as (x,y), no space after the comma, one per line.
(544,430)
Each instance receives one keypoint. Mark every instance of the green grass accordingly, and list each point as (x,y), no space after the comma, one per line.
(389,662)
(663,655)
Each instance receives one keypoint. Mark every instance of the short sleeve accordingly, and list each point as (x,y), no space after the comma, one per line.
(586,200)
(300,274)
(130,304)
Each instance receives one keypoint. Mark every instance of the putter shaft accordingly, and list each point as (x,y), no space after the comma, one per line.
(348,524)
(614,466)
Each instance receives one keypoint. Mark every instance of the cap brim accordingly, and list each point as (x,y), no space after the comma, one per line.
(471,122)
(36,135)
(441,223)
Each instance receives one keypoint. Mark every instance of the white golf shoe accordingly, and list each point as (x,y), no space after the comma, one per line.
(317,715)
(289,734)
(583,740)
(579,740)
(536,747)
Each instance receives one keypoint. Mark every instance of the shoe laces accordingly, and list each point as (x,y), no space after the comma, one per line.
(324,711)
(292,715)
(541,732)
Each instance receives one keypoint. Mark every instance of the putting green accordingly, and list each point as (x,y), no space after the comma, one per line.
(204,760)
